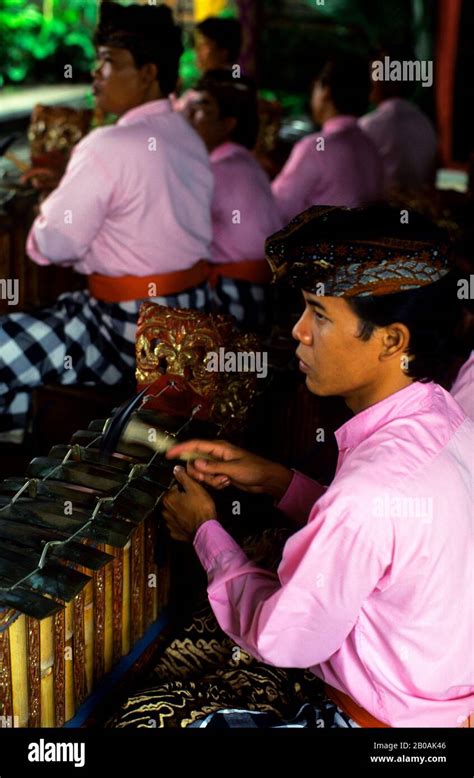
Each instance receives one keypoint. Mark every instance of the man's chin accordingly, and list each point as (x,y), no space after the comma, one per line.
(103,105)
(315,387)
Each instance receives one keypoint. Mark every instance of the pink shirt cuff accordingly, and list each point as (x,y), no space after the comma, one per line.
(32,248)
(300,497)
(211,541)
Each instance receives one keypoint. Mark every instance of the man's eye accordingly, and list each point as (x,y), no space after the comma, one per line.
(319,316)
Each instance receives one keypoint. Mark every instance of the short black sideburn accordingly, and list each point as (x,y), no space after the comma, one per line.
(430,313)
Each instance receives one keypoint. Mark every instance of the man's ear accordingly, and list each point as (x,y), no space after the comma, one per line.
(149,72)
(230,123)
(326,93)
(395,340)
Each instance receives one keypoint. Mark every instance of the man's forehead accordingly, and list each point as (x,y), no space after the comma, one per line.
(116,51)
(327,302)
(204,98)
(314,296)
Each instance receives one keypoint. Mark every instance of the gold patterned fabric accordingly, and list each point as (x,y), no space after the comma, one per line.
(203,671)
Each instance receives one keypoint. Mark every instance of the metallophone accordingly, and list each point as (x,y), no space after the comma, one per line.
(79,580)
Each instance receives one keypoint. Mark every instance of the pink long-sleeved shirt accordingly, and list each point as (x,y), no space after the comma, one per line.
(244,211)
(337,166)
(406,140)
(135,199)
(375,592)
(463,387)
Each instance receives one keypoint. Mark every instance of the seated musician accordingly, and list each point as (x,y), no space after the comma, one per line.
(338,165)
(402,134)
(243,208)
(132,213)
(373,594)
(217,45)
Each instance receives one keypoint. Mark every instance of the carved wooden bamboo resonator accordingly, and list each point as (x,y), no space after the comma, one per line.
(82,575)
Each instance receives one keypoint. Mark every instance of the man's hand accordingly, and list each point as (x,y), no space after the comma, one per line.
(185,511)
(42,178)
(236,466)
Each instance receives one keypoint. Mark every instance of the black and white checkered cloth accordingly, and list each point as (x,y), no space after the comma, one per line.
(79,340)
(249,303)
(327,716)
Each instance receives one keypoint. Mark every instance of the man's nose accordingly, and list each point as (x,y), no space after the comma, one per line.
(302,331)
(96,69)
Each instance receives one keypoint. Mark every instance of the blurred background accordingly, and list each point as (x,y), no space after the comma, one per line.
(285,43)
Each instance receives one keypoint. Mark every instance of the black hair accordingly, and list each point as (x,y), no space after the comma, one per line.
(431,313)
(235,97)
(226,34)
(348,78)
(397,52)
(149,33)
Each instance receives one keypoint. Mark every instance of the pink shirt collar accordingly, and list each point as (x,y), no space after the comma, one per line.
(339,123)
(405,402)
(227,149)
(145,109)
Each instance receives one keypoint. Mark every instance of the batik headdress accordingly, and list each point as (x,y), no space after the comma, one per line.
(356,252)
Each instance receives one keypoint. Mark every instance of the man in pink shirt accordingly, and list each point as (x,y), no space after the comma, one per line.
(338,165)
(374,590)
(402,134)
(243,208)
(463,387)
(132,213)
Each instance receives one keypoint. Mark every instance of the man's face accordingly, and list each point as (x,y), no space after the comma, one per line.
(319,97)
(335,361)
(208,54)
(203,114)
(118,84)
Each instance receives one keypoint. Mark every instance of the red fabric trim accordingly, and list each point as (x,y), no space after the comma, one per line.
(449,16)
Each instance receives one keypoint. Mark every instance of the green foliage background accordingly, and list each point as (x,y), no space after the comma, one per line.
(38,40)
